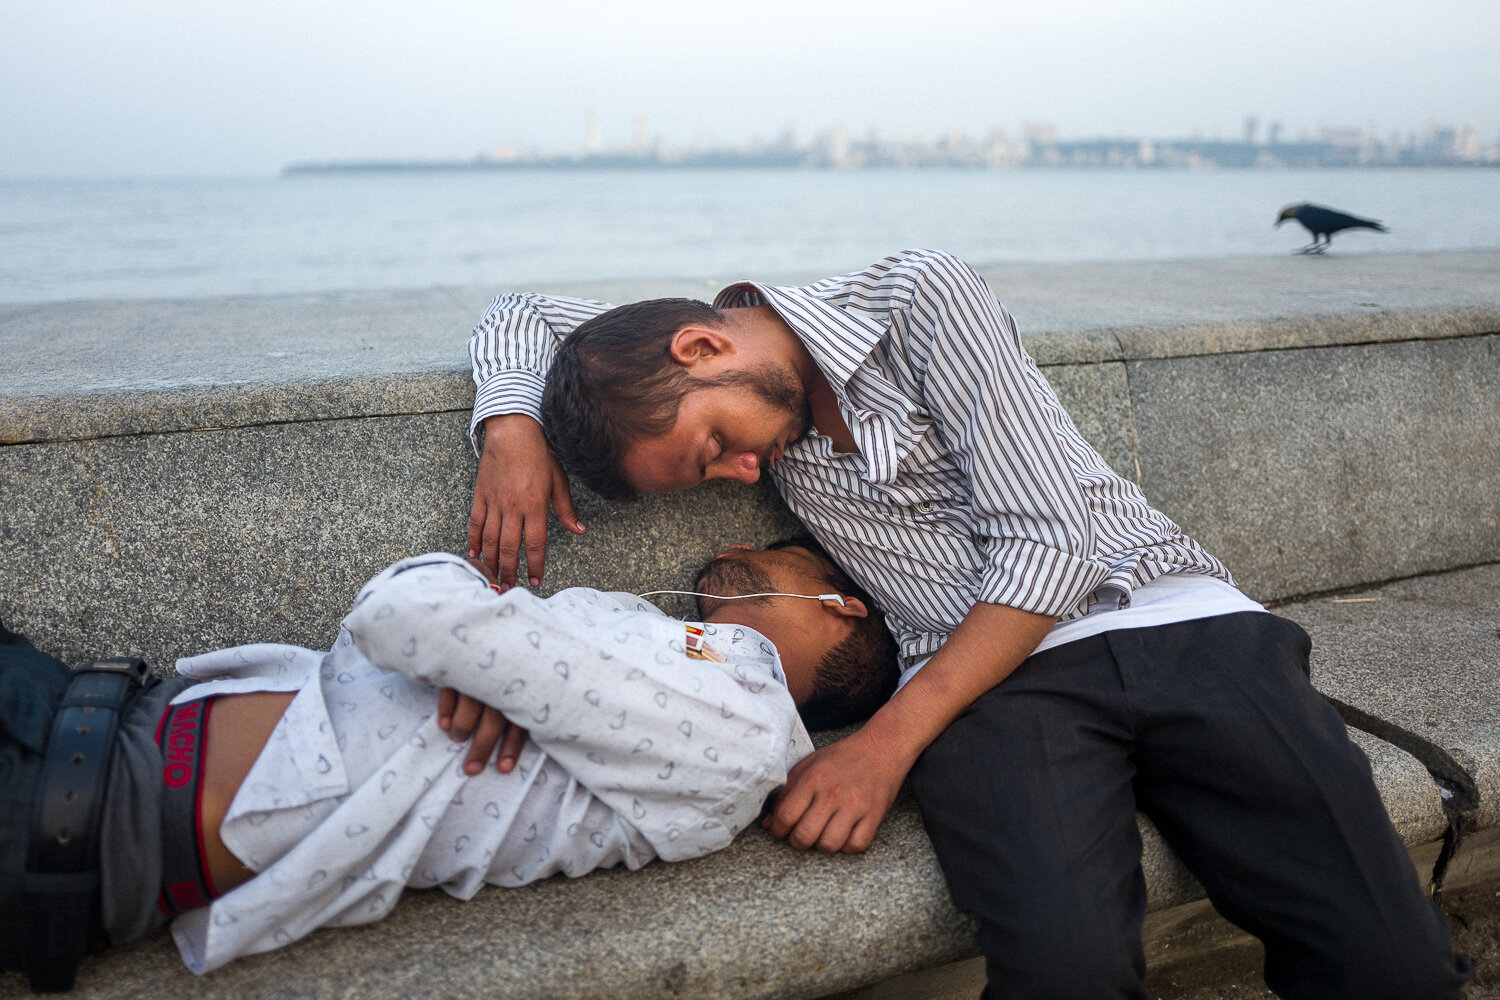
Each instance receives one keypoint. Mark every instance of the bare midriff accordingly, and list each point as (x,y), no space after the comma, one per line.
(237,731)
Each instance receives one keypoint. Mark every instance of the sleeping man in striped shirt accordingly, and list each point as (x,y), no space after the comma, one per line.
(1069,655)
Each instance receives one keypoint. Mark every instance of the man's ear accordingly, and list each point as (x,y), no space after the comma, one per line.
(694,345)
(852,607)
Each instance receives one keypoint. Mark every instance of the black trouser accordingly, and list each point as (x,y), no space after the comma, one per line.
(31,687)
(1211,729)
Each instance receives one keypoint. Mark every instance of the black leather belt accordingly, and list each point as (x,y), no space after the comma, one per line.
(61,885)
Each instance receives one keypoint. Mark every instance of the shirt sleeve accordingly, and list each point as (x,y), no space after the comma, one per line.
(1011,438)
(682,749)
(512,347)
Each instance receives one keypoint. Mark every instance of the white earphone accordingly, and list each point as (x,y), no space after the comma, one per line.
(836,598)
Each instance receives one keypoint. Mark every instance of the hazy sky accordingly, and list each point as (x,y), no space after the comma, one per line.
(148,87)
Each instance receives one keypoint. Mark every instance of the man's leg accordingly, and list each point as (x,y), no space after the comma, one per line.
(1027,798)
(1251,777)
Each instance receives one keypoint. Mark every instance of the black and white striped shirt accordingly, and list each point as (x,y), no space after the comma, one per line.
(970,482)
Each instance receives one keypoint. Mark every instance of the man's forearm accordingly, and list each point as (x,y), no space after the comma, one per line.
(512,347)
(836,798)
(991,642)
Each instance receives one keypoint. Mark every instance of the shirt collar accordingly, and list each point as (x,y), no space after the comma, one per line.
(839,339)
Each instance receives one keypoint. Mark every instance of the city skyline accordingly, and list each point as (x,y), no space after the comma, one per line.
(1035,143)
(644,132)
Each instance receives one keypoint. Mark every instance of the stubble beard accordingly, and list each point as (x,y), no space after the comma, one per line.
(779,388)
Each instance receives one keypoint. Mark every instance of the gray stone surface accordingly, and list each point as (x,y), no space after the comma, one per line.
(1425,654)
(169,544)
(1215,307)
(1308,470)
(132,367)
(87,369)
(175,343)
(757,920)
(1371,461)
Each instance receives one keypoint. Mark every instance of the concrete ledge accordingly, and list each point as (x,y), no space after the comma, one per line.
(760,920)
(267,455)
(166,545)
(1424,654)
(1325,467)
(90,369)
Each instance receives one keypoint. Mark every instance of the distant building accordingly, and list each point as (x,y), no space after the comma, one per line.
(1038,146)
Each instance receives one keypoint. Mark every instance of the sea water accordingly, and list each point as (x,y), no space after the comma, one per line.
(172,238)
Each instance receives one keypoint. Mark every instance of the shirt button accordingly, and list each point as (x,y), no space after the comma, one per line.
(926,506)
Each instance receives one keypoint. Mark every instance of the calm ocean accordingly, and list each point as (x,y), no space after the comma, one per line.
(511,229)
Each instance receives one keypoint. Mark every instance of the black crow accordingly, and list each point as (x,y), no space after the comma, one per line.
(1323,223)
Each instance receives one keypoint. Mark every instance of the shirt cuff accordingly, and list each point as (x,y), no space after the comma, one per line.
(1037,578)
(513,391)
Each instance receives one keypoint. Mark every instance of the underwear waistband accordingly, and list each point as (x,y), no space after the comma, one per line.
(186,883)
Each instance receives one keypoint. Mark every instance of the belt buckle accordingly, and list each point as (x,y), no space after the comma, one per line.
(131,666)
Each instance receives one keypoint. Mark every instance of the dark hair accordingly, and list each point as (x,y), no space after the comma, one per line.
(612,383)
(857,675)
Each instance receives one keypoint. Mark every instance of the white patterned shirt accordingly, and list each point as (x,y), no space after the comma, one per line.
(636,751)
(970,483)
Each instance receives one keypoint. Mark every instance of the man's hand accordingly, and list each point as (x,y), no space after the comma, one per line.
(835,799)
(463,716)
(518,480)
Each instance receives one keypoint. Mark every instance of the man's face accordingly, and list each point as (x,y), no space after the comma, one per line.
(802,630)
(740,570)
(735,427)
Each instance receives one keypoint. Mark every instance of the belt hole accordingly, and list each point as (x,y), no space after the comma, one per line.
(78,758)
(63,836)
(70,794)
(83,730)
(88,708)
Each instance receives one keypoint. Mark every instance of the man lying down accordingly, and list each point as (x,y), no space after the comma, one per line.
(323,785)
